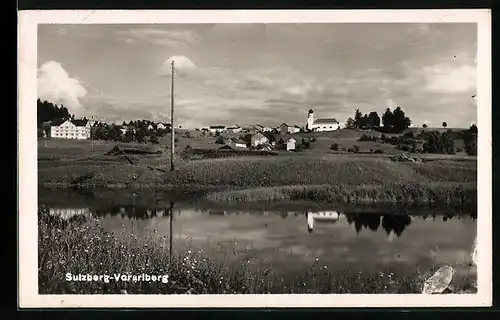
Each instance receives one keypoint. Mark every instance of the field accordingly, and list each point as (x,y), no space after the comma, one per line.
(317,174)
(84,247)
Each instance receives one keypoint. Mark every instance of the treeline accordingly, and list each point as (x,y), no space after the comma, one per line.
(433,141)
(47,111)
(135,131)
(391,122)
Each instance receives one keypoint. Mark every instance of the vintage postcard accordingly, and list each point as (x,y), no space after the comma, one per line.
(318,158)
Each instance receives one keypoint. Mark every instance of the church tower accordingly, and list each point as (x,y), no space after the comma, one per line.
(310,120)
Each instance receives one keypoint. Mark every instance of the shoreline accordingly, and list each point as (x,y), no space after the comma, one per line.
(447,194)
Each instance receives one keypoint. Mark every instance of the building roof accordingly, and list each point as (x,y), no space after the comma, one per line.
(240,141)
(258,136)
(290,125)
(290,140)
(217,127)
(326,121)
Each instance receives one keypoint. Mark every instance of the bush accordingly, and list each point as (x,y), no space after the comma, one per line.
(312,139)
(355,148)
(334,147)
(365,137)
(404,147)
(459,150)
(378,151)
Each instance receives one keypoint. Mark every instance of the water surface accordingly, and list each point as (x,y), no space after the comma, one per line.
(292,238)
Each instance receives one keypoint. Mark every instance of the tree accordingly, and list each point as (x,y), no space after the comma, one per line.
(357,118)
(388,119)
(473,128)
(445,124)
(400,122)
(350,123)
(374,119)
(220,140)
(424,126)
(365,122)
(270,136)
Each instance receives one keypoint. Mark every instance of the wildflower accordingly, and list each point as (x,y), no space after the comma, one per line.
(189,251)
(62,262)
(381,274)
(325,267)
(317,259)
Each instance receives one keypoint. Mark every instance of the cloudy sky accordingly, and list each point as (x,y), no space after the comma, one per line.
(260,73)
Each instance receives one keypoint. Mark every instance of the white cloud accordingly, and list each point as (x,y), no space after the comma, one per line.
(56,86)
(447,79)
(172,38)
(182,64)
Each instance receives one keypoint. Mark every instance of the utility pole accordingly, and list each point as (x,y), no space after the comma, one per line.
(172,120)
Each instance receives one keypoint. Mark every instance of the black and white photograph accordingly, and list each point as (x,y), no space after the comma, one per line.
(255,159)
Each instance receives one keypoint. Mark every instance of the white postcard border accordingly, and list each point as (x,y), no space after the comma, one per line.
(27,146)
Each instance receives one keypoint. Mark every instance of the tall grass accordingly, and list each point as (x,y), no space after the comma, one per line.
(409,193)
(83,247)
(313,170)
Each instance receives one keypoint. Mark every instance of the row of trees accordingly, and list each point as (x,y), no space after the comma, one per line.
(392,121)
(47,111)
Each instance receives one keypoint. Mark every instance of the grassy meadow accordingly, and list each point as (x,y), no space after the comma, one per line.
(317,174)
(84,247)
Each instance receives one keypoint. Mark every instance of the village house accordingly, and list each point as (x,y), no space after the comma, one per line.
(240,143)
(71,129)
(162,126)
(290,144)
(233,129)
(286,128)
(258,139)
(326,124)
(150,127)
(217,129)
(326,216)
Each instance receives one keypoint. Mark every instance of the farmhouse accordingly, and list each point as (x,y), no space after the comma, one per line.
(234,129)
(217,129)
(240,144)
(326,124)
(290,144)
(258,139)
(71,129)
(286,128)
(162,126)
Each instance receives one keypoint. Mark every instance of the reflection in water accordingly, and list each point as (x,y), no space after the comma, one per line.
(324,216)
(342,239)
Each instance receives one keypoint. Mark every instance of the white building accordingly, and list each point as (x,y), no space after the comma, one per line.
(72,129)
(326,124)
(240,143)
(161,126)
(258,139)
(215,129)
(290,144)
(234,129)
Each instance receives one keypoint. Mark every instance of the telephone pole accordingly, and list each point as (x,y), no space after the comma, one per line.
(172,119)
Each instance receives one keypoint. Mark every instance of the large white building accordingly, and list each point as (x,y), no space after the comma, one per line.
(72,129)
(321,124)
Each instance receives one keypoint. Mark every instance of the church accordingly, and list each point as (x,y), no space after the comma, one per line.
(325,124)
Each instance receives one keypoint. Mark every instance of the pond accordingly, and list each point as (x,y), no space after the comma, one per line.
(290,237)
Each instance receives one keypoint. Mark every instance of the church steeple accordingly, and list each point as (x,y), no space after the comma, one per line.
(310,119)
